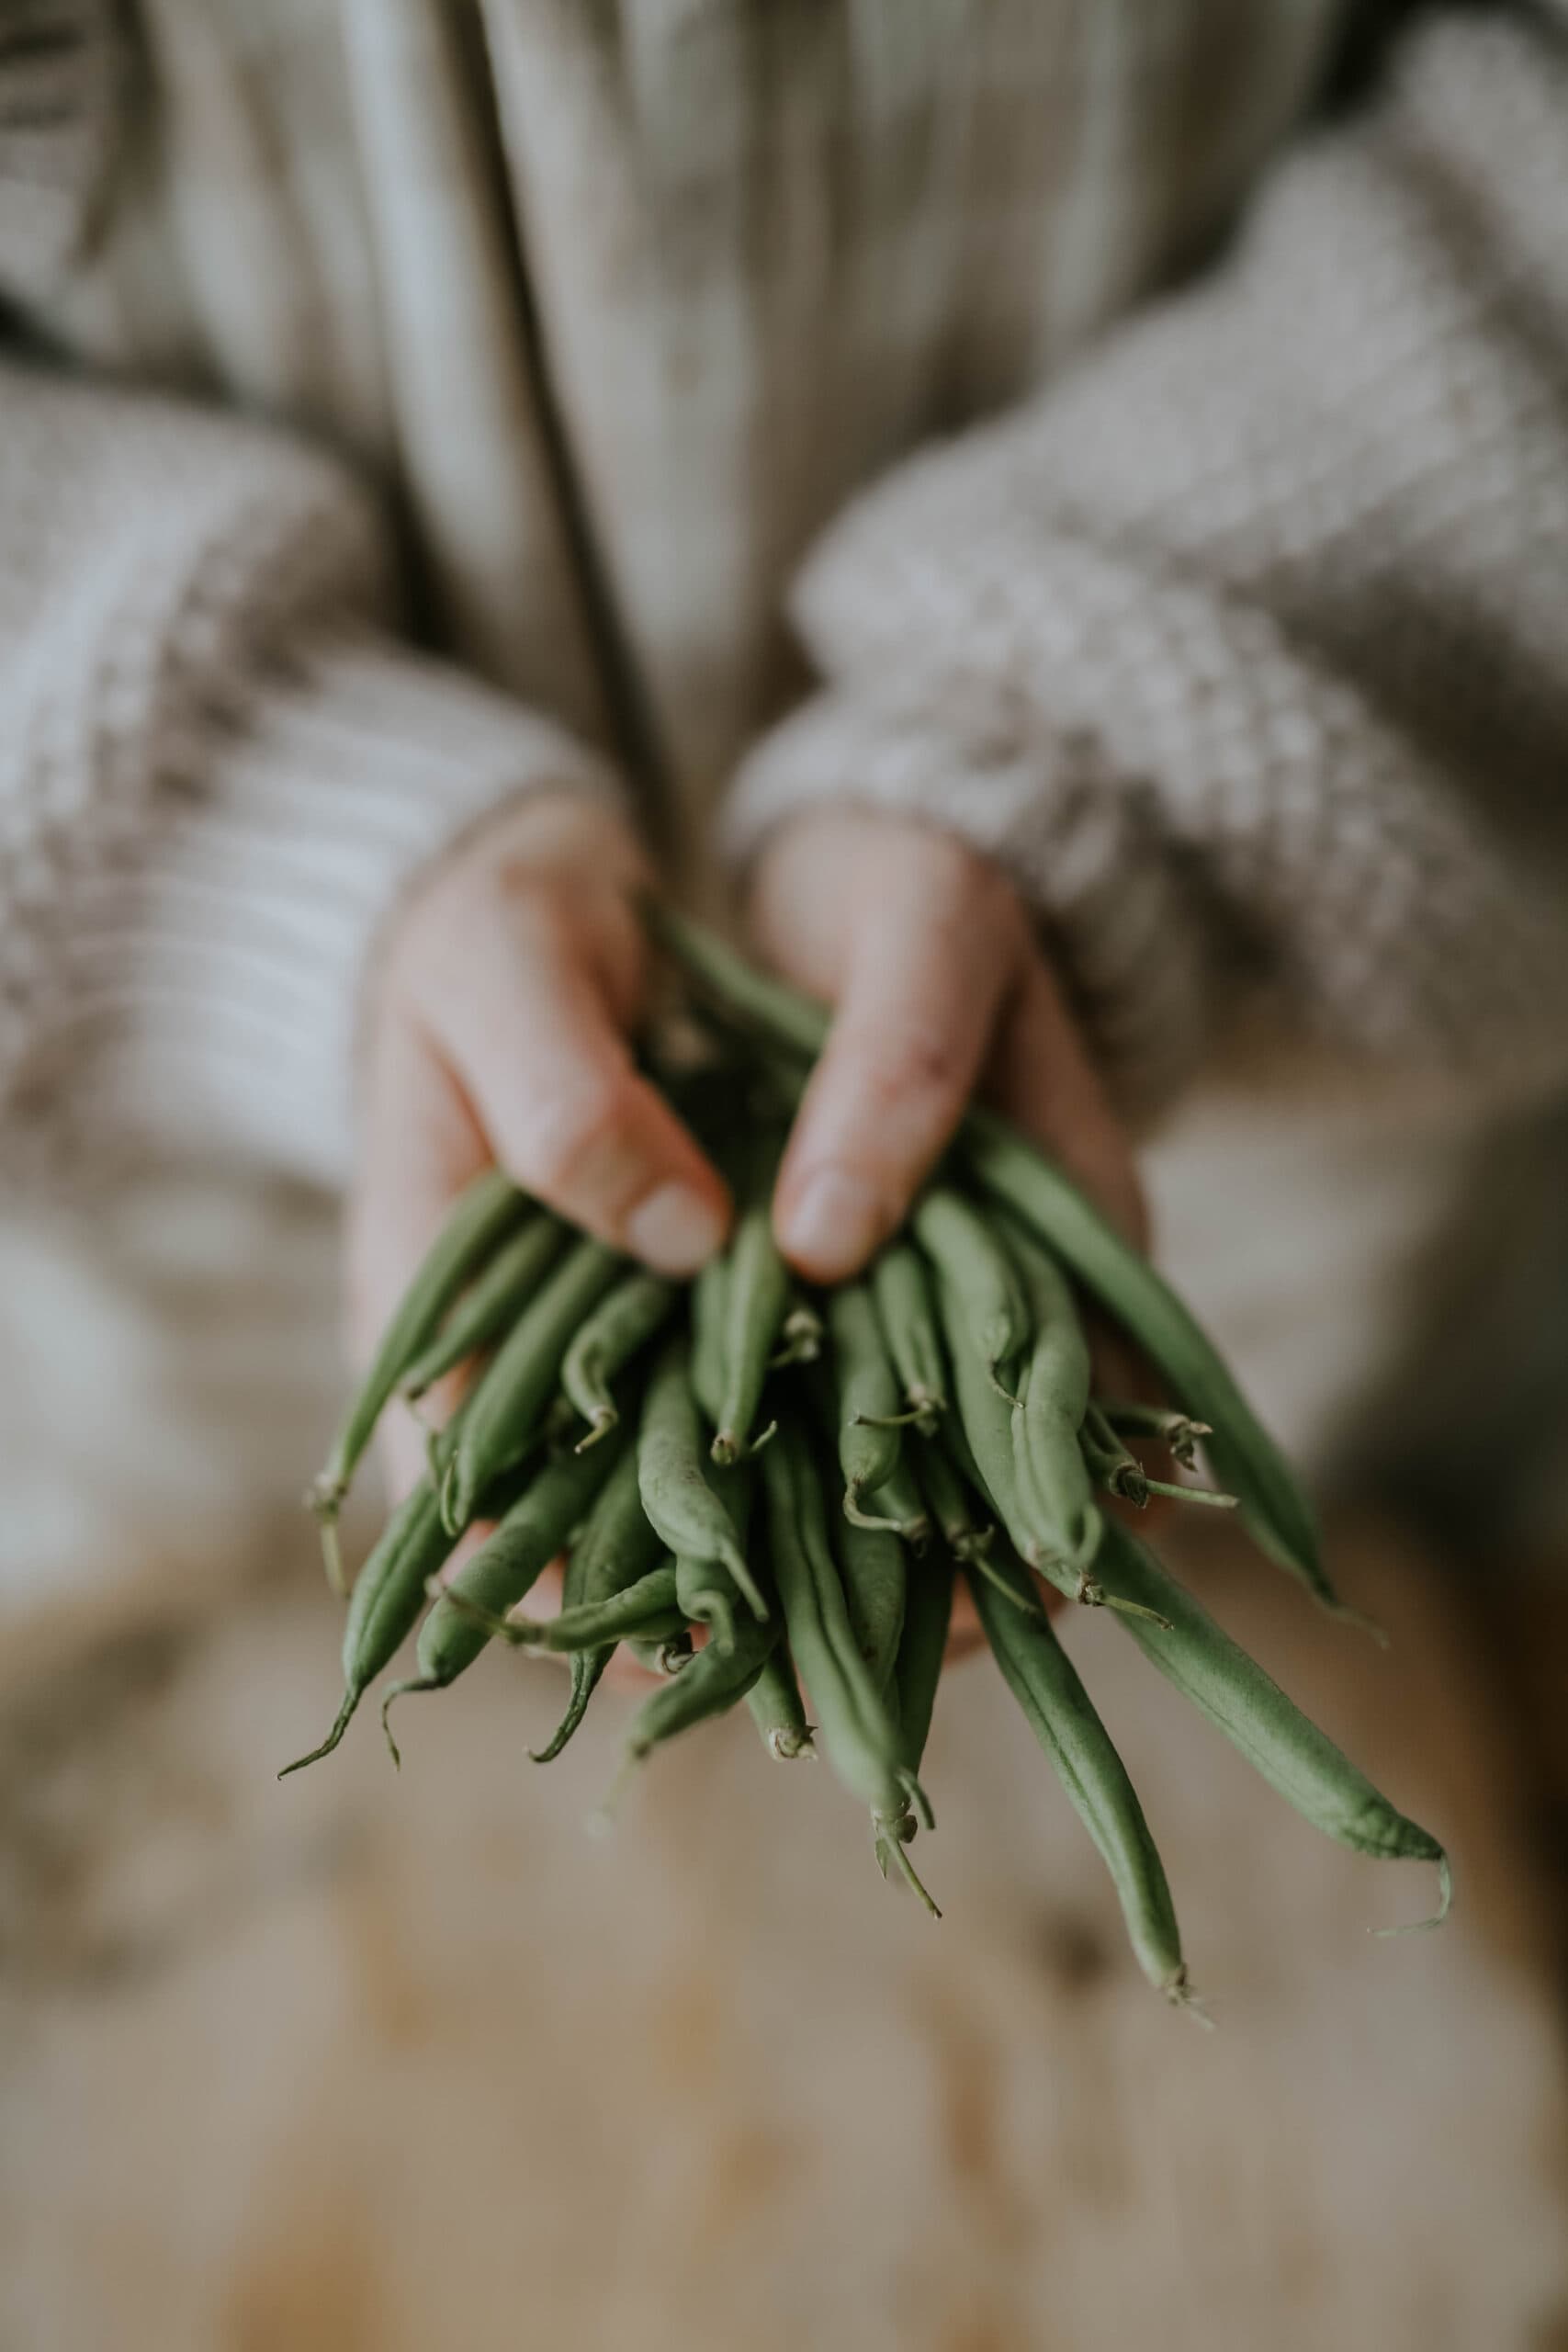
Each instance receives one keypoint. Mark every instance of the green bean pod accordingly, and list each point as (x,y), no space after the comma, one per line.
(384,1606)
(1053,1396)
(901,1291)
(1246,1459)
(978,1271)
(707,1335)
(582,1627)
(922,1645)
(511,1396)
(856,1726)
(778,1710)
(756,1299)
(1064,1720)
(675,1478)
(478,1221)
(1235,1694)
(873,1567)
(533,1532)
(621,1324)
(614,1548)
(704,1588)
(714,1682)
(953,1505)
(865,1396)
(492,1301)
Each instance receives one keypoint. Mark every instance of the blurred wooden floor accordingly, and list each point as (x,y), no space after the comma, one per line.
(381,2065)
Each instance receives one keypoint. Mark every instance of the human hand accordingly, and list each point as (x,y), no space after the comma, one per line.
(497,1028)
(942,991)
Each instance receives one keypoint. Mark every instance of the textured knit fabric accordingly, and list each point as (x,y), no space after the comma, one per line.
(1245,648)
(575,324)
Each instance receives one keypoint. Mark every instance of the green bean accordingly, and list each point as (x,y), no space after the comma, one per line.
(951,1504)
(707,1335)
(1053,1396)
(1113,1467)
(534,1532)
(778,1710)
(857,1727)
(482,1217)
(978,1270)
(756,1300)
(865,1397)
(614,1548)
(1245,1457)
(1235,1694)
(901,1289)
(874,1570)
(585,1626)
(922,1646)
(1063,1718)
(979,1434)
(713,1682)
(387,1596)
(492,1301)
(618,1327)
(677,1491)
(704,1588)
(512,1395)
(897,1504)
(964,1531)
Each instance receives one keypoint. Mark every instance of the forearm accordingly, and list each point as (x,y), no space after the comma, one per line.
(1242,650)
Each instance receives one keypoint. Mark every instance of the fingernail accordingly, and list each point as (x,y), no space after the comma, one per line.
(674,1230)
(835,1223)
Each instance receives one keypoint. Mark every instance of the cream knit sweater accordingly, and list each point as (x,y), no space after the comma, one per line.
(558,331)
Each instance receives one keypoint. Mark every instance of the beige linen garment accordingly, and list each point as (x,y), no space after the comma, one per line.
(414,401)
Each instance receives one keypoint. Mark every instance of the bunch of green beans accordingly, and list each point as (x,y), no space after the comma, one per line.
(770,1496)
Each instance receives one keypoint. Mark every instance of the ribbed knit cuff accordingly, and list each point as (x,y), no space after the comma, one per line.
(1076,839)
(214,974)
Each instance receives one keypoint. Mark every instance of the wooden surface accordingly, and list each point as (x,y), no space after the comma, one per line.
(381,2063)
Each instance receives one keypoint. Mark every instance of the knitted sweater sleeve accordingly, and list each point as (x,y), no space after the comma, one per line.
(1244,646)
(219,761)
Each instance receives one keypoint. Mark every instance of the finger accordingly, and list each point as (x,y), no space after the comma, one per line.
(924,978)
(419,1145)
(1039,1074)
(531,1013)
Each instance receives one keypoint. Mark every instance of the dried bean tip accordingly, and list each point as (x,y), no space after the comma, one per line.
(1179,1992)
(791,1746)
(1445,1901)
(351,1698)
(604,1420)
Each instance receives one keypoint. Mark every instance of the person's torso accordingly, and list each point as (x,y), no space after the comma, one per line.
(625,297)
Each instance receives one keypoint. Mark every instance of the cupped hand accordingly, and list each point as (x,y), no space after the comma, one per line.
(498,1028)
(941,991)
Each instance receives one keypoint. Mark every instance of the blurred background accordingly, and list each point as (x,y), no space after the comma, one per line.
(372,2062)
